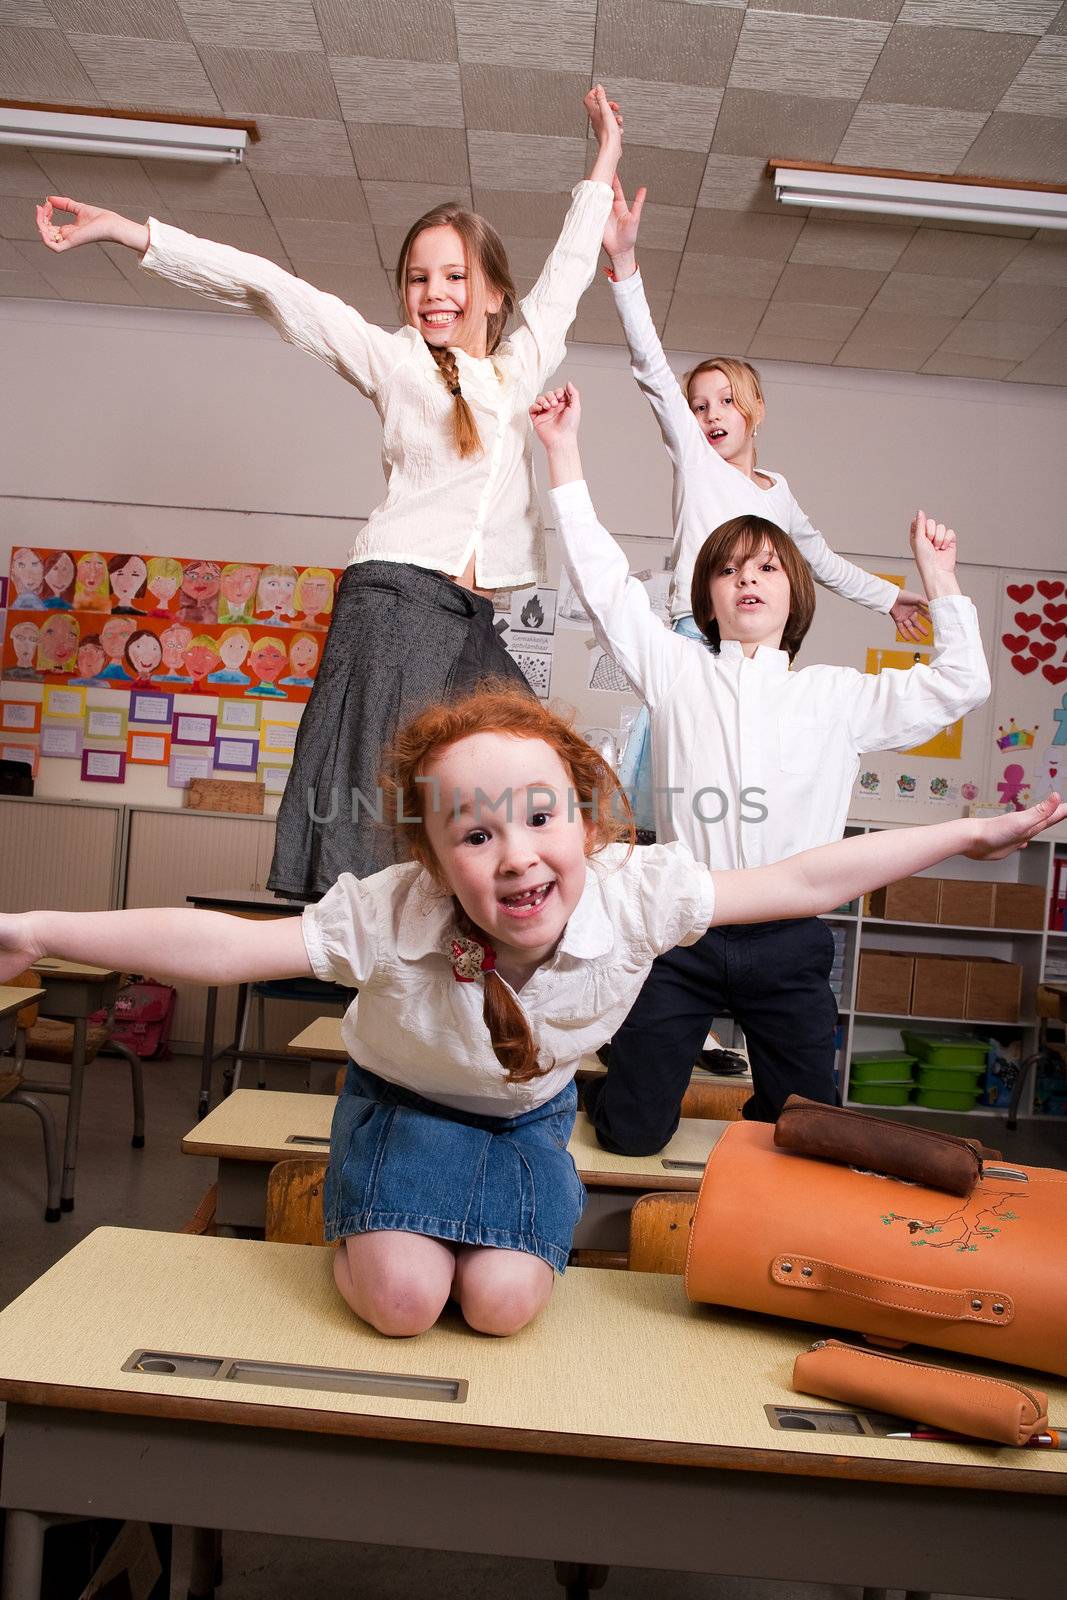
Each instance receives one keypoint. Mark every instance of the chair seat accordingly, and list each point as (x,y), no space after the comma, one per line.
(301,989)
(8,1082)
(52,1040)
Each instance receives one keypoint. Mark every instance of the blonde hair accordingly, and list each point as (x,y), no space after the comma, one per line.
(91,598)
(744,381)
(313,572)
(233,633)
(164,567)
(487,268)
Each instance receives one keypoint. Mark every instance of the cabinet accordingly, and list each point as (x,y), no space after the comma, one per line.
(1041,953)
(60,855)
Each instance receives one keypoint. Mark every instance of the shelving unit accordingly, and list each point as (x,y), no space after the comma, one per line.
(1029,947)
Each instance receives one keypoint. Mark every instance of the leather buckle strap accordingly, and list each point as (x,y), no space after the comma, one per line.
(946,1305)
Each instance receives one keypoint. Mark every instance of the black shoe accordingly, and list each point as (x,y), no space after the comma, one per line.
(724,1063)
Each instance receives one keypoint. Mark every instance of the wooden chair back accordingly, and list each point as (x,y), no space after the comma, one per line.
(339,1080)
(26,980)
(659,1231)
(294,1201)
(720,1101)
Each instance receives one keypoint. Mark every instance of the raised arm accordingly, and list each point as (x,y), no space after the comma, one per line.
(316,322)
(818,880)
(197,946)
(618,605)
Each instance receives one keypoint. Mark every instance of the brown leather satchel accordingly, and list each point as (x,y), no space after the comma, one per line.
(921,1155)
(809,1240)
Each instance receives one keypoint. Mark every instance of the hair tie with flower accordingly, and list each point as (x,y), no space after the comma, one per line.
(470,957)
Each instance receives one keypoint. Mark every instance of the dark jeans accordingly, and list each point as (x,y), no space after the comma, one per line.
(772,978)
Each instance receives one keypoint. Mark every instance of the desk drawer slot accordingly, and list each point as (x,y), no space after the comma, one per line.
(290,1375)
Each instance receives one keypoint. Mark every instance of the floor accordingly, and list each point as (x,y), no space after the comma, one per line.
(158,1187)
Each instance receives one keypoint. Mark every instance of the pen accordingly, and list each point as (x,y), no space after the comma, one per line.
(1055,1439)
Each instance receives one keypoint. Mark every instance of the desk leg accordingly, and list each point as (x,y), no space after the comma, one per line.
(23,1556)
(238,1038)
(74,1111)
(204,1102)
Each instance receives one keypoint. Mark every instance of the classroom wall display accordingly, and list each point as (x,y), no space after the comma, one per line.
(61,740)
(1028,744)
(144,622)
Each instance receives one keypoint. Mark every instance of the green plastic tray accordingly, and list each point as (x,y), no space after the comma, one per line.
(957,1080)
(880,1094)
(945,1049)
(946,1100)
(881,1066)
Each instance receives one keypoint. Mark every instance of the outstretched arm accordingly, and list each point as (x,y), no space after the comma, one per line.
(198,946)
(815,881)
(854,583)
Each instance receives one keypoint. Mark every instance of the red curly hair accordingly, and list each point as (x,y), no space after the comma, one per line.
(500,708)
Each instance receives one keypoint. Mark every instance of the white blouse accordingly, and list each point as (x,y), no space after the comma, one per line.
(415,1025)
(708,490)
(439,509)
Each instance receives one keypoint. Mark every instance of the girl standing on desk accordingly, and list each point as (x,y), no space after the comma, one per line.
(413,621)
(513,944)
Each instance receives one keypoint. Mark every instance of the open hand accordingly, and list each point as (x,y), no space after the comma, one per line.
(1001,836)
(556,415)
(911,615)
(620,233)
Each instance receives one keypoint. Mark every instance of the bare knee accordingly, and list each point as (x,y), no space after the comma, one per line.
(394,1299)
(502,1302)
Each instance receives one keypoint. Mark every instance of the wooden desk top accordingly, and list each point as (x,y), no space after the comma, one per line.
(674,1382)
(264,901)
(322,1040)
(257,1125)
(12,999)
(71,971)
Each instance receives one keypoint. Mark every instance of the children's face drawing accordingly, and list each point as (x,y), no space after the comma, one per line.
(238,585)
(267,662)
(24,638)
(711,400)
(126,581)
(91,660)
(114,633)
(59,639)
(145,654)
(751,599)
(27,571)
(275,592)
(234,649)
(200,659)
(201,580)
(60,575)
(163,587)
(315,594)
(175,641)
(303,654)
(92,569)
(517,862)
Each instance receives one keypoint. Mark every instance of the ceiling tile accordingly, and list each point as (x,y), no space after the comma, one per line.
(672,177)
(772,347)
(524,160)
(17,218)
(390,237)
(829,243)
(400,204)
(392,153)
(97,291)
(1040,305)
(1014,145)
(958,255)
(367,288)
(291,195)
(947,365)
(267,24)
(1000,16)
(1048,364)
(119,185)
(659,268)
(911,332)
(272,82)
(421,30)
(921,138)
(710,274)
(1039,261)
(597,322)
(526,257)
(797,127)
(828,286)
(665,227)
(322,239)
(26,286)
(257,235)
(554,35)
(372,89)
(139,19)
(726,322)
(151,74)
(1041,87)
(955,67)
(524,100)
(829,57)
(737,183)
(1011,341)
(512,215)
(25,14)
(935,295)
(1058,24)
(304,145)
(877,10)
(202,188)
(880,358)
(675,116)
(87,261)
(728,233)
(39,64)
(677,43)
(20,175)
(789,319)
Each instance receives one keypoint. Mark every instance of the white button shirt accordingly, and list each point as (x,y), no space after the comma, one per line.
(439,509)
(708,490)
(415,1025)
(736,737)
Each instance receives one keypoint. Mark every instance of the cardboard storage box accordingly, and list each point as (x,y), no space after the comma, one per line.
(1018,905)
(994,990)
(939,987)
(909,900)
(885,982)
(967,902)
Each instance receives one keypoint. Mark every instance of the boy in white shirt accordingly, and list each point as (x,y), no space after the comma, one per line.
(751,763)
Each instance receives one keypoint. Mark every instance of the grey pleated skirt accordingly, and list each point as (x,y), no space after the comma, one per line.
(401,638)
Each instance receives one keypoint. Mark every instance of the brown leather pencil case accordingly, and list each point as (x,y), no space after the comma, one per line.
(942,1397)
(875,1144)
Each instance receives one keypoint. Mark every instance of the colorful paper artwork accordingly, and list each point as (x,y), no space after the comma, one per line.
(236,755)
(1035,636)
(103,766)
(944,746)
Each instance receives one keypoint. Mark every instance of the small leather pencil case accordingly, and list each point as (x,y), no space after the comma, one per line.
(942,1397)
(875,1144)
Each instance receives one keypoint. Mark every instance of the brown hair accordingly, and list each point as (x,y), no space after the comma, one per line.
(501,708)
(737,541)
(487,267)
(745,386)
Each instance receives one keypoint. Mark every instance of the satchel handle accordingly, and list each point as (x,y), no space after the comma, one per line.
(946,1305)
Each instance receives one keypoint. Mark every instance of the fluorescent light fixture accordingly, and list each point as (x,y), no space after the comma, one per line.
(894,194)
(146,136)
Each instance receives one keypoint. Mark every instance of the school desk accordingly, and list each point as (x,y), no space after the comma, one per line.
(254,1128)
(72,991)
(286,1414)
(12,1001)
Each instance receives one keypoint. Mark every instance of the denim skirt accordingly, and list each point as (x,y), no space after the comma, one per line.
(402,1163)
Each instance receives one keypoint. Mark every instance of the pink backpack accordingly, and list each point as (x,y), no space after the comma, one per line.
(144,1011)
